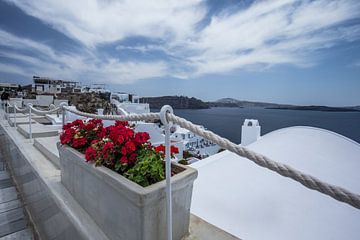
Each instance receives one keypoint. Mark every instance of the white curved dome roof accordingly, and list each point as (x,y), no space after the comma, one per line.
(251,202)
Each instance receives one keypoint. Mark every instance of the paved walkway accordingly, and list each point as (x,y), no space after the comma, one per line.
(13,222)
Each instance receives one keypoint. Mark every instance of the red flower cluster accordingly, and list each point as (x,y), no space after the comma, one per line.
(119,148)
(116,143)
(79,134)
(161,149)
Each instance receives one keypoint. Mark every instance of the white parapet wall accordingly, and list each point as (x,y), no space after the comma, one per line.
(44,100)
(32,101)
(57,102)
(250,131)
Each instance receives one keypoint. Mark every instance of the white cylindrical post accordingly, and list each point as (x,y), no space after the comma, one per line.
(14,115)
(30,130)
(164,110)
(62,106)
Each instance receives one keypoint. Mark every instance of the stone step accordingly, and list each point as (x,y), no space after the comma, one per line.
(8,194)
(39,130)
(18,115)
(10,205)
(20,121)
(47,146)
(25,234)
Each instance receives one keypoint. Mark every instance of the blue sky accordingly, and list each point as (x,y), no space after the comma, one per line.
(286,51)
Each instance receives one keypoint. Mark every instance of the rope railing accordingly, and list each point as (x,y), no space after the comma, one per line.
(52,109)
(24,110)
(336,192)
(130,117)
(38,111)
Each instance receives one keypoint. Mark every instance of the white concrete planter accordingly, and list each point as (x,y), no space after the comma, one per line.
(122,208)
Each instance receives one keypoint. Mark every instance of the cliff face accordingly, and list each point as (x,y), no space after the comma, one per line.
(177,102)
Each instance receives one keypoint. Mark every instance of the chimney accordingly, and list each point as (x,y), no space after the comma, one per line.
(250,131)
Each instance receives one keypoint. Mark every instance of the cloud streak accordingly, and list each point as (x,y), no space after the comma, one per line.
(262,35)
(38,59)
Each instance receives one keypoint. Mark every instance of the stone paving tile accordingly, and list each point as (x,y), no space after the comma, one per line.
(8,194)
(7,206)
(12,227)
(13,222)
(25,234)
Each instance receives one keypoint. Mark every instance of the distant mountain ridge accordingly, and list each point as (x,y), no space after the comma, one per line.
(183,102)
(231,102)
(177,102)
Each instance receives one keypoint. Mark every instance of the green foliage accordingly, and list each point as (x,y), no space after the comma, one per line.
(183,162)
(187,154)
(148,169)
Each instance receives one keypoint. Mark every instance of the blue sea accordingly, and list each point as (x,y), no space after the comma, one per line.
(227,121)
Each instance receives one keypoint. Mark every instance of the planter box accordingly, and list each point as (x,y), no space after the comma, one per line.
(122,208)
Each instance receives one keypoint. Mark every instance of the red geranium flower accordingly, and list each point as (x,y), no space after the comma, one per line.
(67,136)
(161,149)
(124,160)
(141,138)
(130,147)
(107,149)
(120,139)
(174,150)
(90,126)
(121,123)
(101,132)
(79,142)
(90,154)
(67,125)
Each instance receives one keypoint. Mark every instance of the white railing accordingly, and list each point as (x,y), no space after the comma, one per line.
(167,116)
(30,109)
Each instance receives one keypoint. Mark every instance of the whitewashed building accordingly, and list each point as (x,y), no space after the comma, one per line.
(48,85)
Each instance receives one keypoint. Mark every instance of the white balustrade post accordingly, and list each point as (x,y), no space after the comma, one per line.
(30,130)
(14,115)
(62,106)
(165,110)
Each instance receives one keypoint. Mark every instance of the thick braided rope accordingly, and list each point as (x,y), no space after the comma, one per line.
(44,111)
(131,117)
(311,182)
(18,109)
(24,110)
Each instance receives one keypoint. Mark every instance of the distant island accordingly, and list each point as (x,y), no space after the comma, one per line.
(177,102)
(319,108)
(183,102)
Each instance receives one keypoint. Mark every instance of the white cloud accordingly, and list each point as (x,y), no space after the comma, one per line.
(14,69)
(273,32)
(44,61)
(93,22)
(264,34)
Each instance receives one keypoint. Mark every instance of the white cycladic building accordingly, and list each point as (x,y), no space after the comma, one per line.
(128,103)
(250,131)
(48,85)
